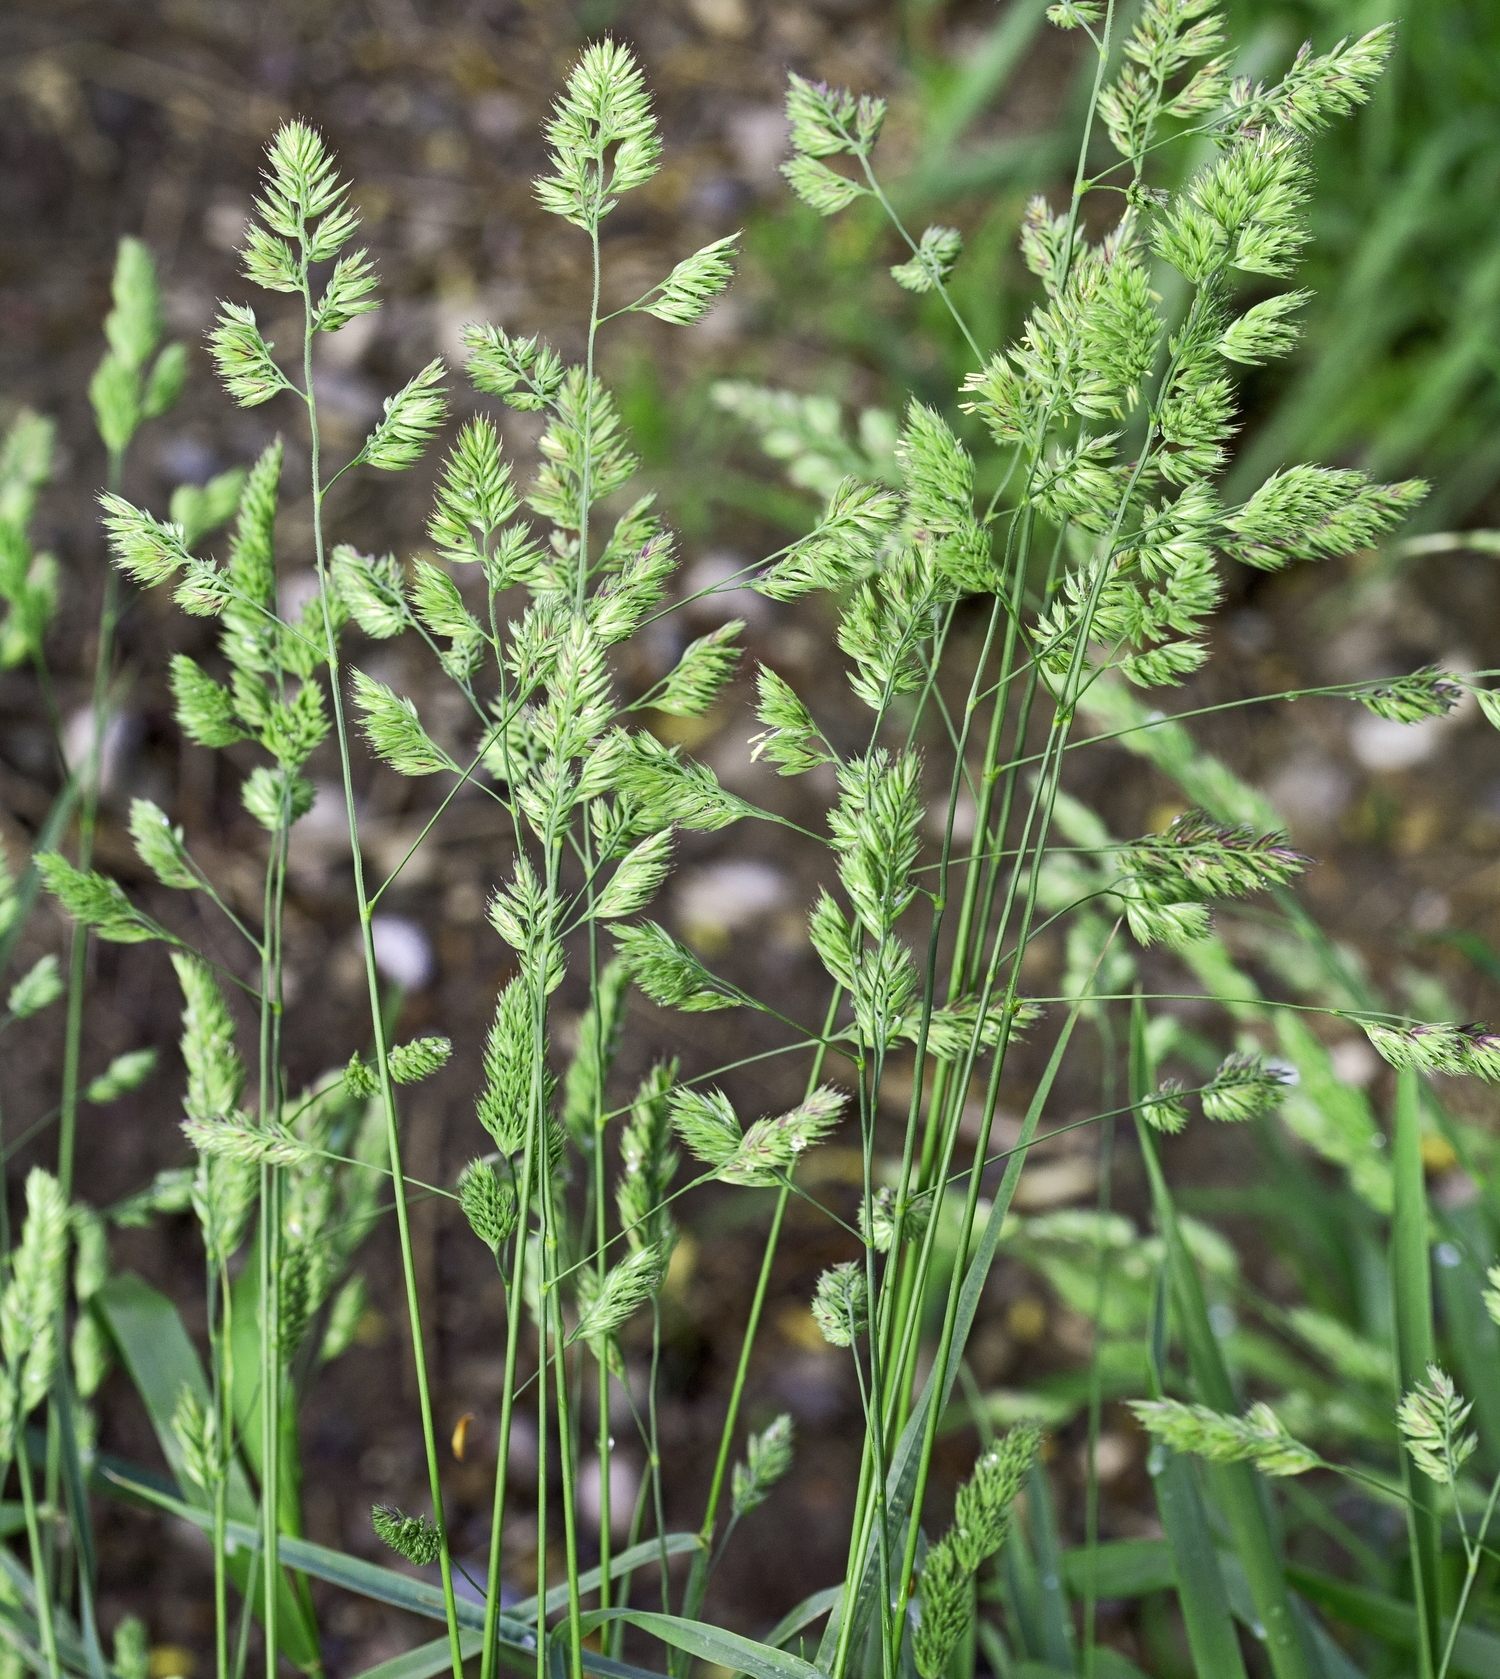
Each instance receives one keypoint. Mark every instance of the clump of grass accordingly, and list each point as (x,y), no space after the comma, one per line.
(1092,568)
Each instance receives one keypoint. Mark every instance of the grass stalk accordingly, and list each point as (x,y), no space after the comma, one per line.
(1213,1643)
(697,1582)
(1236,1484)
(1411,1299)
(605,1437)
(221,1340)
(515,1309)
(1039,821)
(1476,1551)
(386,1089)
(268,1250)
(1096,1396)
(46,1627)
(87,779)
(872,1396)
(569,1483)
(542,1430)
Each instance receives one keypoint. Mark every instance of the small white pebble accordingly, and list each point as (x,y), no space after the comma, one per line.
(1430,911)
(497,117)
(965,817)
(1382,744)
(403,952)
(1312,792)
(723,897)
(624,1485)
(1353,1061)
(718,583)
(122,729)
(297,588)
(757,136)
(1113,1455)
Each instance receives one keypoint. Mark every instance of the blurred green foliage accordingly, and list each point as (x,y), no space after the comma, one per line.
(1397,371)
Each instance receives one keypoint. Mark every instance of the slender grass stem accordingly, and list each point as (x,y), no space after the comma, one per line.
(549,1321)
(653,1442)
(542,1424)
(578,792)
(46,1627)
(89,777)
(1039,819)
(872,1399)
(1096,1393)
(386,1090)
(268,1249)
(604,1441)
(1475,1555)
(221,1341)
(897,1301)
(1411,1300)
(252,1591)
(872,182)
(586,470)
(698,1576)
(515,1308)
(569,1482)
(961,979)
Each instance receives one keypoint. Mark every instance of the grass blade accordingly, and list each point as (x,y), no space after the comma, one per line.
(1206,1616)
(1108,1664)
(1336,1665)
(24,1622)
(710,1644)
(1201,1592)
(1235,1485)
(1476,1654)
(902,1474)
(1475,949)
(385,1585)
(1120,1567)
(803,1615)
(1471,1336)
(1411,1298)
(1056,1616)
(161,1360)
(425,1660)
(245,1334)
(368,1579)
(982,75)
(79,1520)
(433,1658)
(1022,1593)
(638,1556)
(14,1627)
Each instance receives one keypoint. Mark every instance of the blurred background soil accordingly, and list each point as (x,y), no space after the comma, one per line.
(149,118)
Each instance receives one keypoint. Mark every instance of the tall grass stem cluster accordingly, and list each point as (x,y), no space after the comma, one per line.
(988,636)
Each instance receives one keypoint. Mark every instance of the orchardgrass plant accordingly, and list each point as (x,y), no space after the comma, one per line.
(1093,571)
